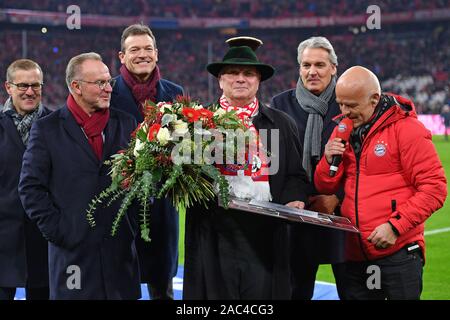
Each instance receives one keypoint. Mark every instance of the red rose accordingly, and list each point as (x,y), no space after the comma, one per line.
(153,131)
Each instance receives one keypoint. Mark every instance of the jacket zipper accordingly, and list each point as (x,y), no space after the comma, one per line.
(361,244)
(357,156)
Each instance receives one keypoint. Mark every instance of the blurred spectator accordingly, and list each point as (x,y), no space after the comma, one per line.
(446,119)
(232,8)
(412,59)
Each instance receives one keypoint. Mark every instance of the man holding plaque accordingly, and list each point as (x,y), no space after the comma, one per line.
(232,254)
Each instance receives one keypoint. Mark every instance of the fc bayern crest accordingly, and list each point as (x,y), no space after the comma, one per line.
(342,127)
(380,149)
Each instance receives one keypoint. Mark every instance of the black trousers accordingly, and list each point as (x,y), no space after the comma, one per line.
(161,292)
(245,275)
(31,293)
(400,278)
(304,278)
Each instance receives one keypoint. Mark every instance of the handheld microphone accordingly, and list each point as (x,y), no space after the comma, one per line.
(344,129)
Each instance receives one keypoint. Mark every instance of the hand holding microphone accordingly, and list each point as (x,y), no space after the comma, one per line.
(336,147)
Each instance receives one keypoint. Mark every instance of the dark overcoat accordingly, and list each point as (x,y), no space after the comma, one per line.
(59,178)
(23,250)
(328,244)
(158,259)
(259,238)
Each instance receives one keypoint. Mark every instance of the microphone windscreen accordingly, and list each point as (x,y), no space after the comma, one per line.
(344,129)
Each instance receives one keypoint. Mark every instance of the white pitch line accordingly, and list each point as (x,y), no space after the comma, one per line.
(326,283)
(427,233)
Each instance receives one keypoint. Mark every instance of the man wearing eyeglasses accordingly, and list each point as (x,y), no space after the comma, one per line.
(23,250)
(63,169)
(140,80)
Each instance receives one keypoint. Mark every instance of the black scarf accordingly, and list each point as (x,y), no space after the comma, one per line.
(359,134)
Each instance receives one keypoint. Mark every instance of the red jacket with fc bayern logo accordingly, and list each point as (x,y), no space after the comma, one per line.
(398,165)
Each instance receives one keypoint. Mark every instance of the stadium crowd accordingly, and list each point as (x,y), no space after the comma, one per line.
(231,8)
(412,63)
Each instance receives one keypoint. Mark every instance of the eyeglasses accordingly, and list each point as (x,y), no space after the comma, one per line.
(101,83)
(24,86)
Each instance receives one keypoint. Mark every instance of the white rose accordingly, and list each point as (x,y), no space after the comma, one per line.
(180,127)
(137,147)
(219,112)
(164,106)
(163,136)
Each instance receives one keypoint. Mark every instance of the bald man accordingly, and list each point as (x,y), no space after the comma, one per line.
(393,181)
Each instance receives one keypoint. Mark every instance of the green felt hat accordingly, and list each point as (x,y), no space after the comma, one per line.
(241,56)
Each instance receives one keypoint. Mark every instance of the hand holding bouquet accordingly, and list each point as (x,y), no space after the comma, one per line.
(173,153)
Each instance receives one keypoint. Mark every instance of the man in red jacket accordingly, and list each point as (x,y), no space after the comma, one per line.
(393,181)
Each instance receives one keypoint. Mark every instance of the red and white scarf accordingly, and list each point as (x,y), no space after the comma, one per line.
(256,161)
(245,113)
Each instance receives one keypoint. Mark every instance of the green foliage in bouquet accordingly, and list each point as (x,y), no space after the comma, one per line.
(148,169)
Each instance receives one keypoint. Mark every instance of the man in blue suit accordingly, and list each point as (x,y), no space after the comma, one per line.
(23,250)
(63,169)
(140,80)
(312,105)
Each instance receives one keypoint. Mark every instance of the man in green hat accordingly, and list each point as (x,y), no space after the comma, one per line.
(231,254)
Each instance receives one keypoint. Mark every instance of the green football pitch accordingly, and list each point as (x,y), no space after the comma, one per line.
(436,280)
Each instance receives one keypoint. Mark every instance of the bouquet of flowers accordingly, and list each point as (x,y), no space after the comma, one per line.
(173,153)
